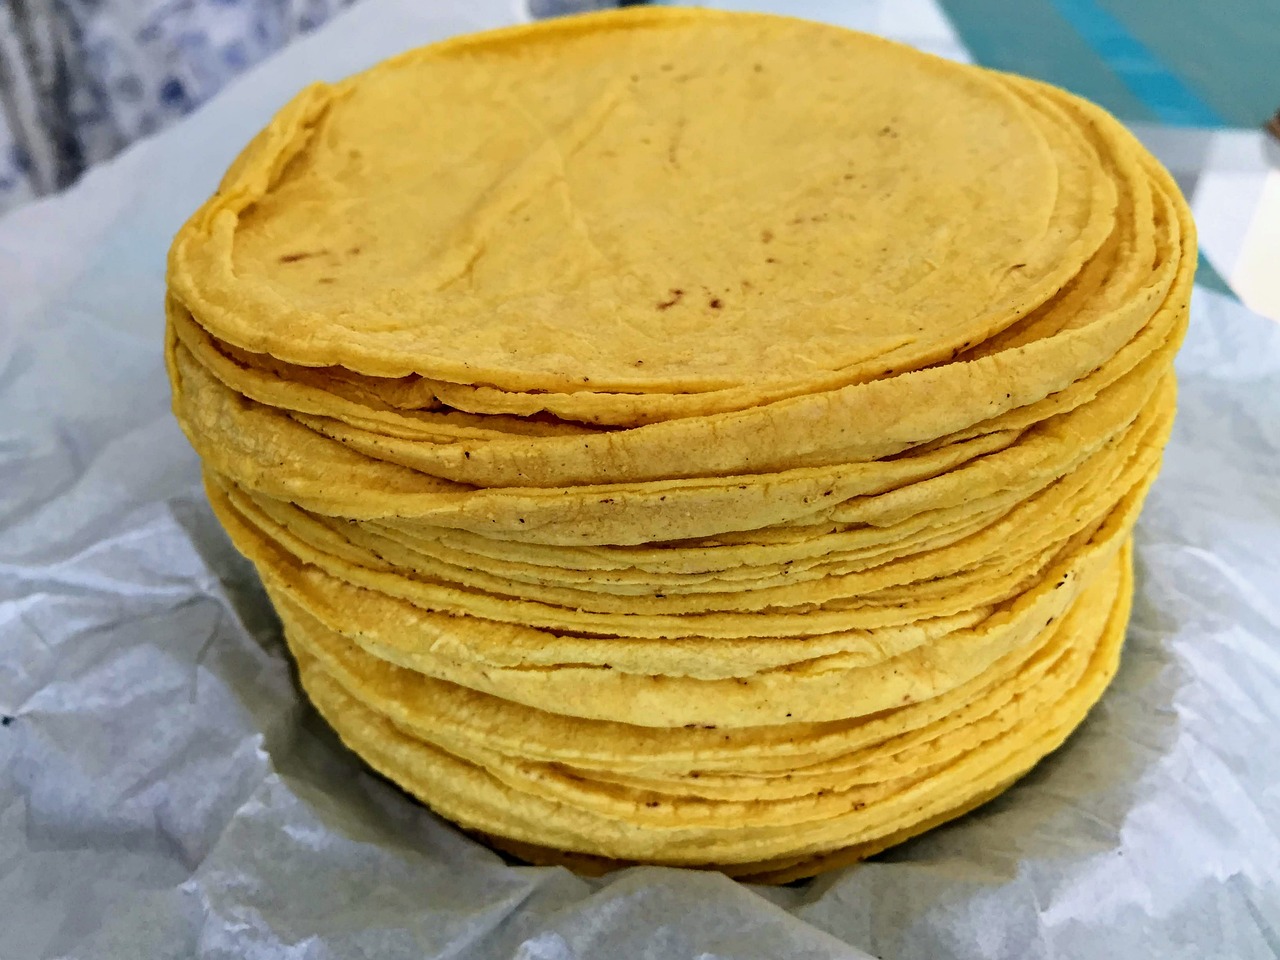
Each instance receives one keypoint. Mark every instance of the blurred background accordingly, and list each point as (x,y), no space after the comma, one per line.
(82,79)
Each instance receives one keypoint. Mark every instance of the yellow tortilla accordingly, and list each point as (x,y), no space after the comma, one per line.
(683,437)
(467,793)
(586,141)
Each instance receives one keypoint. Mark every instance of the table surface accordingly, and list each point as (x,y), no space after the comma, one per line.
(1167,61)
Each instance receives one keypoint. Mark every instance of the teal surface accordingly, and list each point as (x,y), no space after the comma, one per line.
(1206,276)
(1172,61)
(1031,37)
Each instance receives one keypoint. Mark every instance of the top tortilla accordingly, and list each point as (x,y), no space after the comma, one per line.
(642,201)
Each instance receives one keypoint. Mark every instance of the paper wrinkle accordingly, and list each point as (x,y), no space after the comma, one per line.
(166,793)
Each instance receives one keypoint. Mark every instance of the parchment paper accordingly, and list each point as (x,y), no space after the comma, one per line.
(165,793)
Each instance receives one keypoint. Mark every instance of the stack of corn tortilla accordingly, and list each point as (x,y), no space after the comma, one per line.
(684,437)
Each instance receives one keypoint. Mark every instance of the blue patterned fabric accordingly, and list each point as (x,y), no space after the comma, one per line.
(81,79)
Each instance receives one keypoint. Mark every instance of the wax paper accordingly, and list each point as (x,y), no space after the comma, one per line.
(165,791)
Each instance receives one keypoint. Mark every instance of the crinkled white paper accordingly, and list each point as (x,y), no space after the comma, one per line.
(165,793)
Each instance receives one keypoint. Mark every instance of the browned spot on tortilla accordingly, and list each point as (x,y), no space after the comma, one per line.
(301,255)
(675,298)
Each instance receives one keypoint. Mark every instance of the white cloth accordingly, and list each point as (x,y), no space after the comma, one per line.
(82,79)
